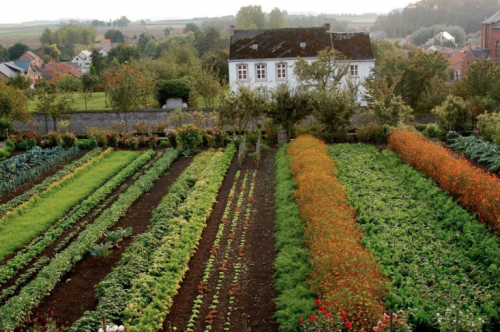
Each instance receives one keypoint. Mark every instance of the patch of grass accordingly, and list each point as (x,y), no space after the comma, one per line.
(25,227)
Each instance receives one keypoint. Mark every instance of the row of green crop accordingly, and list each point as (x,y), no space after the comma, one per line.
(112,291)
(33,218)
(147,307)
(15,309)
(479,150)
(27,254)
(41,187)
(438,256)
(22,168)
(292,263)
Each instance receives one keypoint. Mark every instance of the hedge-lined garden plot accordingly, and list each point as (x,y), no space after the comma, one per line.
(438,256)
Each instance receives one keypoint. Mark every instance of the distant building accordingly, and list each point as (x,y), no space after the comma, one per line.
(266,58)
(34,59)
(84,60)
(440,38)
(176,32)
(455,67)
(378,35)
(52,69)
(10,70)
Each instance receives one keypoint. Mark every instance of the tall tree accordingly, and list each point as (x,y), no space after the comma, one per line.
(250,18)
(46,37)
(13,104)
(144,38)
(4,53)
(16,50)
(277,19)
(116,36)
(124,53)
(52,104)
(191,27)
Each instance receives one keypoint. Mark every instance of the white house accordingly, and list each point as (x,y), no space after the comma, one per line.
(266,58)
(84,60)
(441,38)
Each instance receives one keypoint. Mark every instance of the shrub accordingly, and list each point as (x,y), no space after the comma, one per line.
(86,144)
(141,126)
(177,88)
(271,131)
(453,115)
(69,140)
(97,135)
(372,133)
(188,139)
(164,144)
(153,141)
(488,125)
(434,131)
(215,138)
(113,139)
(53,138)
(26,145)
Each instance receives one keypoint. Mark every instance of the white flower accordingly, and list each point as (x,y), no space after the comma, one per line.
(437,314)
(121,328)
(100,330)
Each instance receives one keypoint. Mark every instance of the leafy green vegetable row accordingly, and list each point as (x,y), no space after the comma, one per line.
(26,196)
(437,254)
(22,168)
(112,291)
(292,262)
(479,150)
(15,309)
(152,293)
(23,257)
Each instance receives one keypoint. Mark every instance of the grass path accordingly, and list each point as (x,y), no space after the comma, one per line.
(22,228)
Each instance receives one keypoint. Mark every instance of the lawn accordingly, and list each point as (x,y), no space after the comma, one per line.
(22,228)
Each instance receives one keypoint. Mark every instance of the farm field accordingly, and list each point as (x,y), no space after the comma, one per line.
(304,235)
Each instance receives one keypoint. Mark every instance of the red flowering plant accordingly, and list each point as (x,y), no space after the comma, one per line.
(113,139)
(327,317)
(44,323)
(399,323)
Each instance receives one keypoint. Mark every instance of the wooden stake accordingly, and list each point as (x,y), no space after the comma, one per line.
(390,325)
(245,323)
(127,328)
(456,322)
(104,327)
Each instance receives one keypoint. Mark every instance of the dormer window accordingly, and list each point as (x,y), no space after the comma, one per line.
(303,44)
(255,46)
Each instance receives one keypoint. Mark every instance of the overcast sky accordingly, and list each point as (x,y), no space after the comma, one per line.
(36,10)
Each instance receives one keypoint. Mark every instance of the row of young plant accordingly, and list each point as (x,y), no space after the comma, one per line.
(15,309)
(18,210)
(477,149)
(223,266)
(202,286)
(22,168)
(438,257)
(41,187)
(238,265)
(31,251)
(148,306)
(343,270)
(471,186)
(292,262)
(112,291)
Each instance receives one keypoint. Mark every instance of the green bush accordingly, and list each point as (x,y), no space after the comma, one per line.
(372,133)
(454,115)
(86,144)
(164,144)
(489,127)
(53,138)
(178,88)
(26,145)
(188,139)
(434,131)
(69,140)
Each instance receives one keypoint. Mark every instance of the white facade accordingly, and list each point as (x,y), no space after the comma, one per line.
(269,73)
(84,60)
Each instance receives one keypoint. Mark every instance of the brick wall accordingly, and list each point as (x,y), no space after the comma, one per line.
(80,121)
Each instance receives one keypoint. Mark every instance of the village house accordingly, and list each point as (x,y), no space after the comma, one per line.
(440,38)
(83,59)
(266,58)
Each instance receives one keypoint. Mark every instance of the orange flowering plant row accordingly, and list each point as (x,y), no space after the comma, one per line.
(343,270)
(476,189)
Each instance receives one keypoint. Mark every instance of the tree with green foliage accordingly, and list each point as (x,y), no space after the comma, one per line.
(242,108)
(46,38)
(115,36)
(482,79)
(4,53)
(126,87)
(422,35)
(206,85)
(289,105)
(13,105)
(98,62)
(124,53)
(388,107)
(277,19)
(16,50)
(209,41)
(325,73)
(191,27)
(144,39)
(175,88)
(52,104)
(150,49)
(453,115)
(20,82)
(216,62)
(250,18)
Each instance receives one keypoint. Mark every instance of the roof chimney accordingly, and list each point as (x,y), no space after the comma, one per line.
(232,28)
(327,27)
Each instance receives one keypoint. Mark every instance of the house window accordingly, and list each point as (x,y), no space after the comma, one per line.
(261,72)
(242,72)
(303,45)
(281,71)
(457,75)
(255,46)
(354,70)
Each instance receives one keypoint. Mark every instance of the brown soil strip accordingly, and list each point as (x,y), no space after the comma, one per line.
(88,219)
(255,293)
(76,293)
(183,302)
(39,179)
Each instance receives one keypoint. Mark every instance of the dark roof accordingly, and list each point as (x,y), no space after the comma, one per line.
(24,65)
(286,43)
(480,53)
(493,19)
